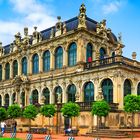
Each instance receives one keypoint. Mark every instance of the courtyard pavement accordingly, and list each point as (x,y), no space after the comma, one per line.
(61,137)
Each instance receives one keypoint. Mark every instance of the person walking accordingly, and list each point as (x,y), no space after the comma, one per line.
(3,125)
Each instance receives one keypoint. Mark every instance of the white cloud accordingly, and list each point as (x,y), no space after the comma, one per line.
(111,7)
(30,13)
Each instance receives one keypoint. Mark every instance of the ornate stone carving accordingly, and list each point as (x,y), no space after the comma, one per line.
(26,39)
(100,96)
(1,49)
(64,28)
(77,96)
(59,98)
(118,49)
(17,42)
(52,33)
(58,27)
(82,16)
(36,36)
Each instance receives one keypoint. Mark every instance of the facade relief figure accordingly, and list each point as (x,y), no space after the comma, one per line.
(100,96)
(77,96)
(59,98)
(52,33)
(64,28)
(118,50)
(36,36)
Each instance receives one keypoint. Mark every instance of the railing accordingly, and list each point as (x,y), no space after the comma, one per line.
(112,60)
(86,106)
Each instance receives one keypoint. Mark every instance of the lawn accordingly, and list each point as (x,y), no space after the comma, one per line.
(9,139)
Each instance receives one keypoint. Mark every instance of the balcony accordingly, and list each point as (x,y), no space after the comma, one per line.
(86,106)
(111,61)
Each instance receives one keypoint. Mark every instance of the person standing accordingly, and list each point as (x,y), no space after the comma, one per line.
(14,127)
(3,125)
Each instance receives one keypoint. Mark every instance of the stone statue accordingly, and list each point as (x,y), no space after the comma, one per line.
(64,28)
(17,41)
(59,97)
(1,49)
(36,36)
(82,16)
(120,38)
(26,39)
(118,50)
(52,33)
(100,96)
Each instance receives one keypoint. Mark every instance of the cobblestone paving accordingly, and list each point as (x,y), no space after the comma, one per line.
(60,137)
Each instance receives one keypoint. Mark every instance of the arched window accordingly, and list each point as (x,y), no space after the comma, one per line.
(127,87)
(58,94)
(15,68)
(102,53)
(59,58)
(46,94)
(113,54)
(24,65)
(7,71)
(22,97)
(89,53)
(13,98)
(72,54)
(89,92)
(0,72)
(138,89)
(71,93)
(6,99)
(0,101)
(34,97)
(35,64)
(107,88)
(46,61)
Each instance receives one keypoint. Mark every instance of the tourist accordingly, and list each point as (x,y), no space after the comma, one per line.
(14,126)
(3,125)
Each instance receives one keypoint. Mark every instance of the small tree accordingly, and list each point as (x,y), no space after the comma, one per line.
(70,110)
(48,111)
(3,114)
(30,113)
(14,111)
(132,105)
(101,109)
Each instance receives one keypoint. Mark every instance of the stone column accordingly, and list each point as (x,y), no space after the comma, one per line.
(29,67)
(64,94)
(11,70)
(40,63)
(52,60)
(3,71)
(115,91)
(3,101)
(19,67)
(65,58)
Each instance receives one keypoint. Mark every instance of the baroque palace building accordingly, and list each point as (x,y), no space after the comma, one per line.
(78,60)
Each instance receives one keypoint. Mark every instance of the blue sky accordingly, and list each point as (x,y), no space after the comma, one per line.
(121,15)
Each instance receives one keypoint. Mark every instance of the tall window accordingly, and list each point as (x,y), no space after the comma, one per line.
(24,65)
(35,64)
(34,97)
(72,54)
(71,93)
(46,61)
(0,101)
(138,89)
(107,88)
(15,68)
(89,53)
(102,53)
(46,94)
(58,94)
(13,98)
(6,100)
(22,97)
(7,71)
(127,87)
(0,72)
(59,58)
(89,92)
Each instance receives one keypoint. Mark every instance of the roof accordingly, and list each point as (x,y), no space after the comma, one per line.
(71,24)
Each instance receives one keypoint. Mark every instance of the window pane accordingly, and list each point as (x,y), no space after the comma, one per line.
(24,66)
(46,61)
